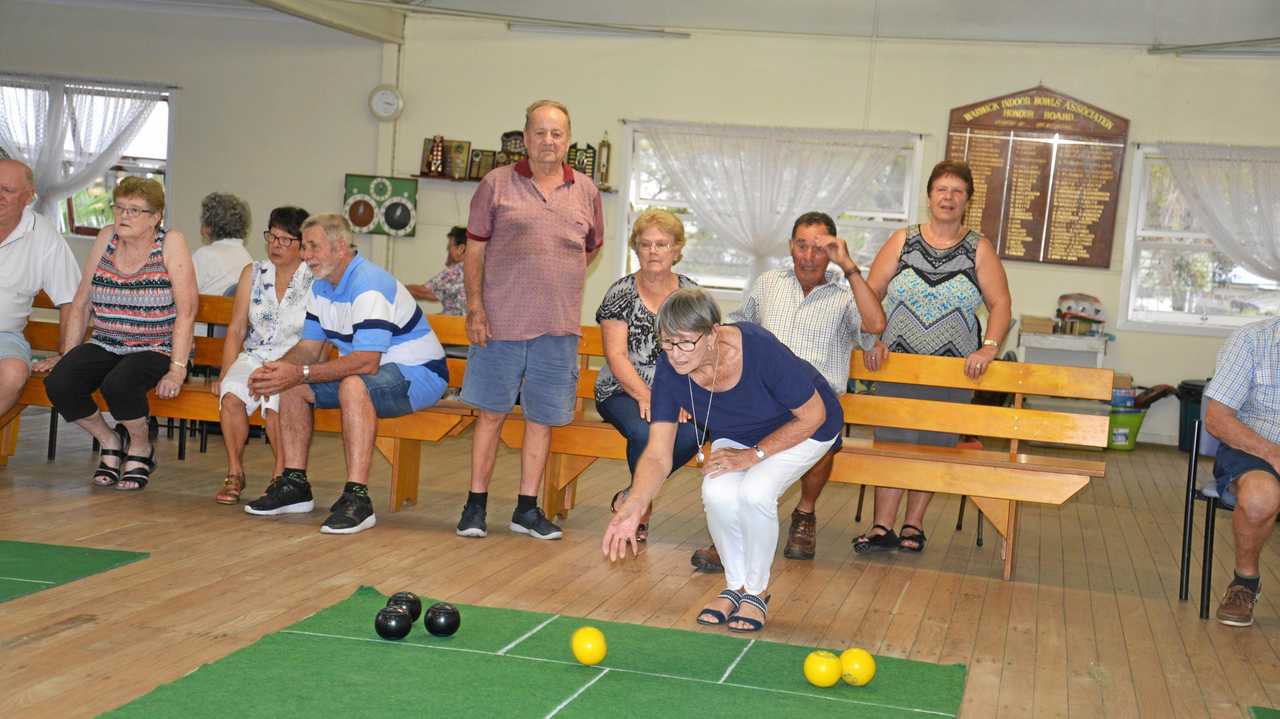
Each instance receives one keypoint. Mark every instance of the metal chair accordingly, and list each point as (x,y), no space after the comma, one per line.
(1208,493)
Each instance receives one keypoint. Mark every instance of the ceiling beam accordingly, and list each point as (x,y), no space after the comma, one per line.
(1264,44)
(375,23)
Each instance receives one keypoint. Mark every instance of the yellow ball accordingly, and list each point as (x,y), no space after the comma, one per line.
(822,668)
(858,667)
(589,646)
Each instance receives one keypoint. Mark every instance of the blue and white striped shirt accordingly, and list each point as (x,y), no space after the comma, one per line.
(371,311)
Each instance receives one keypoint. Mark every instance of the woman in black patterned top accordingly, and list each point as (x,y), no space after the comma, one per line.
(627,317)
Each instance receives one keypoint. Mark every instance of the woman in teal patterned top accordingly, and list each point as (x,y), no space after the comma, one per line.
(933,279)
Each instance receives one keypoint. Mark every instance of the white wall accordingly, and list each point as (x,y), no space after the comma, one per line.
(471,80)
(273,110)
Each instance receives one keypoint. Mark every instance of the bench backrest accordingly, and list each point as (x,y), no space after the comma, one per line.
(1019,379)
(213,309)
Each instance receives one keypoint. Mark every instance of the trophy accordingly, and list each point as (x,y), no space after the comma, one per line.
(603,154)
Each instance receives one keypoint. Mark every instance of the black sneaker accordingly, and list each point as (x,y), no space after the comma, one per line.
(352,513)
(285,495)
(472,522)
(534,523)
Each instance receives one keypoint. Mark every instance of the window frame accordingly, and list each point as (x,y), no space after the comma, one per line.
(128,165)
(1138,196)
(915,166)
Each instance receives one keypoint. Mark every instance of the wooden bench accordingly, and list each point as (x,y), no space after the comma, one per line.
(996,481)
(399,439)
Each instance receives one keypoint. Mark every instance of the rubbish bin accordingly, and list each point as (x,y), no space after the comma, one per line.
(1189,393)
(1124,426)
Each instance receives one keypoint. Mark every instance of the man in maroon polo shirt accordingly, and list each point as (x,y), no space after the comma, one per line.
(534,227)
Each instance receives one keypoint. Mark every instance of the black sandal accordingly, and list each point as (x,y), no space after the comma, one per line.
(112,474)
(917,537)
(753,624)
(876,542)
(140,475)
(718,616)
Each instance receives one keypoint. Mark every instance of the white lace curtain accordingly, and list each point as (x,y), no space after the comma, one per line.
(748,184)
(69,132)
(1234,194)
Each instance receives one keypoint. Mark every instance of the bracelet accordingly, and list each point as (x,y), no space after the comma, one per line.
(988,342)
(179,365)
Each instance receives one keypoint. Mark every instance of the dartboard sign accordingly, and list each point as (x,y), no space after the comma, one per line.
(378,205)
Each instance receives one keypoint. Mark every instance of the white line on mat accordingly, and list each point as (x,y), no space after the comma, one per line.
(573,696)
(526,635)
(733,666)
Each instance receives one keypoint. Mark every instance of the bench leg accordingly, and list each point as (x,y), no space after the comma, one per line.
(53,434)
(1003,515)
(9,435)
(862,493)
(182,439)
(960,516)
(559,481)
(405,456)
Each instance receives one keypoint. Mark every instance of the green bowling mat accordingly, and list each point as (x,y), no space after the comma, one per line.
(1263,713)
(506,663)
(26,567)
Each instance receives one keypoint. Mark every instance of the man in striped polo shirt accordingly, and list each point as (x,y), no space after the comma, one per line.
(389,364)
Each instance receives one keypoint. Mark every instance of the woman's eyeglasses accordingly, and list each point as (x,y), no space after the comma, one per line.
(682,345)
(282,240)
(125,211)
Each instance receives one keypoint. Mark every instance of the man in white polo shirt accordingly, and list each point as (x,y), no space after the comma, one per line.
(34,257)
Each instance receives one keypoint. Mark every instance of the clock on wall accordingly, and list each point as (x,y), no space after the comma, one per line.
(386,103)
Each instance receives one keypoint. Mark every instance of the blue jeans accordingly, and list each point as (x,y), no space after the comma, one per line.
(623,413)
(388,391)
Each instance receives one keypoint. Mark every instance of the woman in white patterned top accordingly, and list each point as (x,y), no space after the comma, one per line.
(266,321)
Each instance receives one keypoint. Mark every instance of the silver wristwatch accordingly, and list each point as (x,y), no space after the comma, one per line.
(306,374)
(759,452)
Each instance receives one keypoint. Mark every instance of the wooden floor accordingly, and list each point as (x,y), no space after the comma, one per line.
(1090,627)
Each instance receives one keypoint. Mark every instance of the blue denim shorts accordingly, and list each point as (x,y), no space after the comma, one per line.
(14,344)
(388,390)
(1231,464)
(542,371)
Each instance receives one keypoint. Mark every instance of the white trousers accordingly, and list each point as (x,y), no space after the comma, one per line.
(742,510)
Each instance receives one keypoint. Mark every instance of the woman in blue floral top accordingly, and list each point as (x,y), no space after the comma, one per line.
(446,287)
(266,320)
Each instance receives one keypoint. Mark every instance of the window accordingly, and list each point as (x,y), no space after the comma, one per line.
(719,265)
(1175,279)
(89,210)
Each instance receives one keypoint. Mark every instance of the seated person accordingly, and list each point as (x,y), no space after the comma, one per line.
(446,286)
(627,317)
(36,258)
(224,223)
(140,287)
(1243,412)
(266,322)
(389,364)
(771,416)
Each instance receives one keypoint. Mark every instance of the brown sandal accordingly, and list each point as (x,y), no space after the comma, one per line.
(232,486)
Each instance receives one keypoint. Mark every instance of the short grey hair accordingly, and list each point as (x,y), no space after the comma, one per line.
(538,105)
(335,227)
(687,310)
(26,169)
(225,215)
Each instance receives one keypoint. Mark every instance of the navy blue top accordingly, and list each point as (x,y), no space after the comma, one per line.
(774,382)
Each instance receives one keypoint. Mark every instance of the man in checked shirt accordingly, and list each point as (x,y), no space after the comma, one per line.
(1243,412)
(820,318)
